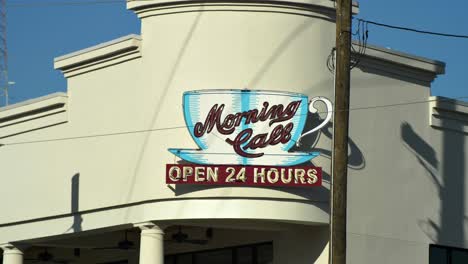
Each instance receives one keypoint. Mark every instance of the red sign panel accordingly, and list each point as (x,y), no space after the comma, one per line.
(304,176)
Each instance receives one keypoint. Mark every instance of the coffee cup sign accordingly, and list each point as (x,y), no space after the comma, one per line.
(246,127)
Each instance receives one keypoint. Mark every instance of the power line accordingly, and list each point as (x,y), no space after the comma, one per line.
(94,2)
(398,104)
(413,30)
(63,3)
(92,136)
(180,127)
(70,3)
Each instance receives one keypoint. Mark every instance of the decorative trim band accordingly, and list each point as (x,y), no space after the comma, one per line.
(449,114)
(100,56)
(33,115)
(320,9)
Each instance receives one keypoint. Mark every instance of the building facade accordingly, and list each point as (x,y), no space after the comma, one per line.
(84,172)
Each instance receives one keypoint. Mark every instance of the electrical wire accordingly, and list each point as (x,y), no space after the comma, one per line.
(362,35)
(92,2)
(69,3)
(330,64)
(63,3)
(181,127)
(92,136)
(413,30)
(358,47)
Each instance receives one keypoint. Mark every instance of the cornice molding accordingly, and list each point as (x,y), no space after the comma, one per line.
(315,8)
(33,115)
(399,63)
(99,56)
(449,114)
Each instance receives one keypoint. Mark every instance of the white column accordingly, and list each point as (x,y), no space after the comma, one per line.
(151,244)
(12,254)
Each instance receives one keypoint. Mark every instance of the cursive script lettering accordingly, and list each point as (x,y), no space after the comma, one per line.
(246,139)
(279,134)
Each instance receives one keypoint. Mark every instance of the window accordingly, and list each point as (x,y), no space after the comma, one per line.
(223,256)
(447,255)
(116,262)
(249,254)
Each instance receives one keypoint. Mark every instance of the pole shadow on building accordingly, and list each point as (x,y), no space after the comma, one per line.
(75,199)
(282,47)
(446,171)
(159,99)
(356,159)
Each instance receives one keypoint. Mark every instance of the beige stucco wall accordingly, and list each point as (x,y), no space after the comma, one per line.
(410,191)
(406,179)
(187,51)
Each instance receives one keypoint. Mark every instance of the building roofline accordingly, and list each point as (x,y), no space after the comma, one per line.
(138,5)
(33,114)
(99,56)
(97,47)
(449,104)
(448,114)
(31,101)
(405,59)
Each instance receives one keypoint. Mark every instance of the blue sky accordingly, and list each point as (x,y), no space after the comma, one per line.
(40,32)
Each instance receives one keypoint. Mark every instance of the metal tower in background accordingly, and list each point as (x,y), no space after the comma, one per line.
(3,52)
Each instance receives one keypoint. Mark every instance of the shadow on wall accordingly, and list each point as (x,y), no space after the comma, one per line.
(356,161)
(448,177)
(75,198)
(367,65)
(159,99)
(279,50)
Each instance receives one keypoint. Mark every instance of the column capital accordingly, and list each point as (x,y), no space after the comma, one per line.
(151,227)
(12,249)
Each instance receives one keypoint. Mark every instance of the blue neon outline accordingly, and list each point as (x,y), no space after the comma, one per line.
(188,119)
(245,102)
(301,124)
(245,105)
(190,155)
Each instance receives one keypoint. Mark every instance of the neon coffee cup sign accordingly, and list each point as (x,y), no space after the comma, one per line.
(245,128)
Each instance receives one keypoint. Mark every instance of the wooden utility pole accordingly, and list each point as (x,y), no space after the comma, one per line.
(340,133)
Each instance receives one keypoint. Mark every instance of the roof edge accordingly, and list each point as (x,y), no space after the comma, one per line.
(33,115)
(96,47)
(31,102)
(450,104)
(103,52)
(448,114)
(404,59)
(136,5)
